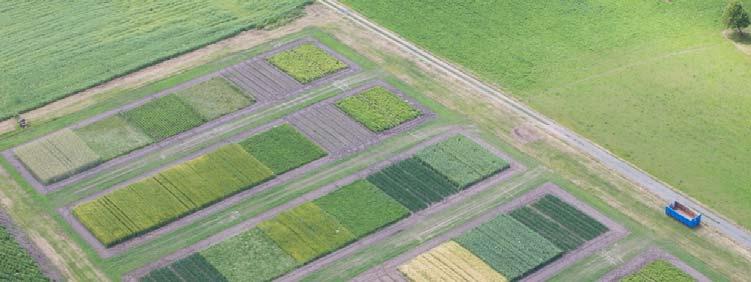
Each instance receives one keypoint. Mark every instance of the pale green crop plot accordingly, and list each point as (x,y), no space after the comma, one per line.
(653,81)
(215,98)
(59,155)
(53,49)
(306,63)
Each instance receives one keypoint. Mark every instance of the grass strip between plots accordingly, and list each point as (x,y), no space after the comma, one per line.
(306,63)
(378,109)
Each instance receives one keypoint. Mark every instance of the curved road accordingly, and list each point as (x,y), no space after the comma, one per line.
(630,172)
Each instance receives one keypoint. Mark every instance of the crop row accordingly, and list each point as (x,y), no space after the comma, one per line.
(378,109)
(15,262)
(189,186)
(659,270)
(70,151)
(306,63)
(304,233)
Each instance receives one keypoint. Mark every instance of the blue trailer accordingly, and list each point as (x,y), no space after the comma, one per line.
(684,214)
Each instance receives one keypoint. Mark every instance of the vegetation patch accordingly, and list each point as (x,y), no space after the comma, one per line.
(509,247)
(215,98)
(659,270)
(563,238)
(192,268)
(249,256)
(283,148)
(378,109)
(15,263)
(463,161)
(306,63)
(449,262)
(572,219)
(112,137)
(164,117)
(362,208)
(413,184)
(306,232)
(171,194)
(57,156)
(78,51)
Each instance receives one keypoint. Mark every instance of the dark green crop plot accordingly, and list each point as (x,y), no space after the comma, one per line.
(283,148)
(413,184)
(164,117)
(509,247)
(563,238)
(196,268)
(362,207)
(574,220)
(15,263)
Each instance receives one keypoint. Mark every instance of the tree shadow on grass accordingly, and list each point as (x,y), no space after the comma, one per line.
(742,41)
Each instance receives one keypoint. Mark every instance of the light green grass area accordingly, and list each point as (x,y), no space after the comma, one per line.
(306,232)
(164,117)
(659,271)
(46,56)
(250,256)
(653,81)
(362,207)
(306,63)
(57,156)
(378,109)
(112,137)
(283,148)
(214,98)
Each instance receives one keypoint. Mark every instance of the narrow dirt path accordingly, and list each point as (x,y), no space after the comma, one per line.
(647,257)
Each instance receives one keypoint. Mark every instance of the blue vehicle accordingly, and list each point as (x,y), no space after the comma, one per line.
(684,214)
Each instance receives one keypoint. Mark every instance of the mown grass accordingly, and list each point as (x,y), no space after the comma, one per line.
(47,56)
(653,81)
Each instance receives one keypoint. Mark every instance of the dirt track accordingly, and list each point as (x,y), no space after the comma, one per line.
(647,257)
(264,100)
(616,232)
(250,223)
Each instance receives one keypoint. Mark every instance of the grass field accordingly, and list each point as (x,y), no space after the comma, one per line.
(15,262)
(659,270)
(46,56)
(378,109)
(653,81)
(449,262)
(57,156)
(215,98)
(306,63)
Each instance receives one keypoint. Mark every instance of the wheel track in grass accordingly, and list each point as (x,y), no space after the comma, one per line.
(641,178)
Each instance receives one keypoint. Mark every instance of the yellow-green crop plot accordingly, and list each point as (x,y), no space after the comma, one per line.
(57,156)
(306,63)
(449,262)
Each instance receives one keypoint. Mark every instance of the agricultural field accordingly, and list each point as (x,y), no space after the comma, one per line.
(306,63)
(378,109)
(110,40)
(15,262)
(450,262)
(81,148)
(182,189)
(283,149)
(655,82)
(659,270)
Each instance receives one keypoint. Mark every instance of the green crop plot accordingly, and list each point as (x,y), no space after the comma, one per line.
(657,271)
(362,208)
(378,109)
(15,263)
(250,256)
(283,148)
(171,194)
(572,219)
(112,137)
(214,98)
(49,56)
(192,268)
(164,117)
(306,63)
(413,184)
(162,275)
(57,156)
(655,82)
(463,161)
(306,232)
(509,247)
(563,238)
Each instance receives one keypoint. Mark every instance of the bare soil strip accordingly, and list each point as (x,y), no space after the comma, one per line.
(41,259)
(388,271)
(288,90)
(105,252)
(379,235)
(645,258)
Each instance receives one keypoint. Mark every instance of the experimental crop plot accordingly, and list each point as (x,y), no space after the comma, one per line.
(262,80)
(164,117)
(283,148)
(57,156)
(214,98)
(306,63)
(112,137)
(450,262)
(378,109)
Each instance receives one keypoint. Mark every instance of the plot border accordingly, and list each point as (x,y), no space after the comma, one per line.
(650,255)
